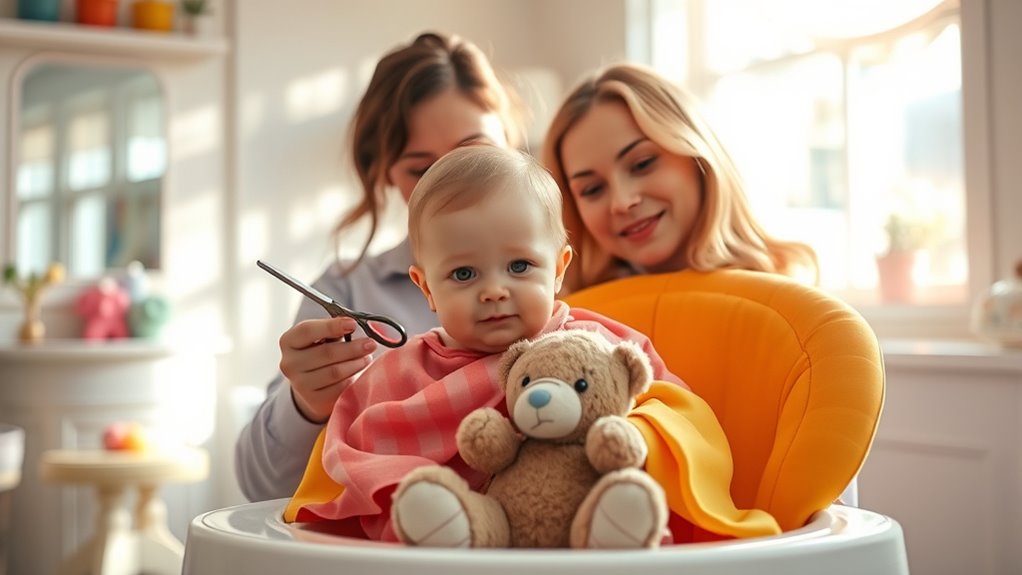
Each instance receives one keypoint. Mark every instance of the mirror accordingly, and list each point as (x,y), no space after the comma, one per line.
(89,161)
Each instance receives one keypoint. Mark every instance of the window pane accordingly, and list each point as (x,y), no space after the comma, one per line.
(35,248)
(147,154)
(740,33)
(35,172)
(854,148)
(88,236)
(89,150)
(905,150)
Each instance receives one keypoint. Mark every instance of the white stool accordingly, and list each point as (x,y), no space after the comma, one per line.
(117,547)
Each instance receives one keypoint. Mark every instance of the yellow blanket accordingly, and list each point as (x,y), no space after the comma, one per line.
(688,455)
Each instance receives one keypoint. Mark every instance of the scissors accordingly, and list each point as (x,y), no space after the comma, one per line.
(381,328)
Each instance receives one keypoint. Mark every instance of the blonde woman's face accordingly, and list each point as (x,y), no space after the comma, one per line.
(438,125)
(638,201)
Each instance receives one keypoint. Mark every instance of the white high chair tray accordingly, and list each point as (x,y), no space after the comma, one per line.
(252,539)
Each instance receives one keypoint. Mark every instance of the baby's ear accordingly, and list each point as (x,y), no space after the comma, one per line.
(636,362)
(419,278)
(507,361)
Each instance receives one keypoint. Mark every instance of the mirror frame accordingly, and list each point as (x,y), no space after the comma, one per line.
(10,200)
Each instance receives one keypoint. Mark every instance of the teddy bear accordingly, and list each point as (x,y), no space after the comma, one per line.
(566,466)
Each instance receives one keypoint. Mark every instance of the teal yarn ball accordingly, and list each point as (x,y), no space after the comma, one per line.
(147,316)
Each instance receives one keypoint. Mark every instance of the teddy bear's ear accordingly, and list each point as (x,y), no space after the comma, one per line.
(510,357)
(640,372)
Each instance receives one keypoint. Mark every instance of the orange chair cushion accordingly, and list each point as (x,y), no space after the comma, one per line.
(794,376)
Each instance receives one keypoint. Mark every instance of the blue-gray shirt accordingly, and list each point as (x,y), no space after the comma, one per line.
(272,451)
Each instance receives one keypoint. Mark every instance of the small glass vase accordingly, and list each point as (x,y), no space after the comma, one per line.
(32,329)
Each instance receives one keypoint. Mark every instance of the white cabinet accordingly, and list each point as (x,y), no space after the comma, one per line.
(63,393)
(947,460)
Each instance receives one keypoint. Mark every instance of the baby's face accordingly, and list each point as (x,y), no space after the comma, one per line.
(491,271)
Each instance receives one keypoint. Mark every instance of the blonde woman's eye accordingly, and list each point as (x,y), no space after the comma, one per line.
(644,164)
(519,266)
(463,274)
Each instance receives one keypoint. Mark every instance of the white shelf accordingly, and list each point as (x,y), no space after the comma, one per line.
(110,41)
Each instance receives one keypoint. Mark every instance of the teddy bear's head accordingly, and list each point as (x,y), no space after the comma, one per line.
(558,384)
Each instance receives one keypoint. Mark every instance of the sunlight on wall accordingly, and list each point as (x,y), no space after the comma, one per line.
(195,132)
(257,317)
(253,234)
(253,113)
(186,396)
(195,255)
(315,96)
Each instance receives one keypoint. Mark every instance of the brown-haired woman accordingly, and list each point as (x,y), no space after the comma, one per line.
(425,98)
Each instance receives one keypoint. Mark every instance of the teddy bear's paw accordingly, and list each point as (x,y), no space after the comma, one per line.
(627,516)
(430,515)
(614,443)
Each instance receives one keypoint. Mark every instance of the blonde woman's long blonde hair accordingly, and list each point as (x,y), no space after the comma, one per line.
(725,234)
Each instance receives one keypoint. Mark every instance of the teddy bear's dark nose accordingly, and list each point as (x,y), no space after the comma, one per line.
(539,398)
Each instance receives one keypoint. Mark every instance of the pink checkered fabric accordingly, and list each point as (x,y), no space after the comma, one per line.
(404,411)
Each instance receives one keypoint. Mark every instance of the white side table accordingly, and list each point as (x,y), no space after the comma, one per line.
(117,547)
(63,393)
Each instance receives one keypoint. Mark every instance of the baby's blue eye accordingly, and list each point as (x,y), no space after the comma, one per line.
(463,274)
(519,266)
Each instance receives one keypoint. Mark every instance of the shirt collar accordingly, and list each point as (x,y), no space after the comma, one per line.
(393,262)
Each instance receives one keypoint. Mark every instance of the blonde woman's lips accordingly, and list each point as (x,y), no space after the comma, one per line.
(641,229)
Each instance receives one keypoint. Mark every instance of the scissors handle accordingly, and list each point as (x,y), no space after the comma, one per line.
(382,329)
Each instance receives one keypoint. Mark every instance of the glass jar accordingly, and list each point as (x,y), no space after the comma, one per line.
(997,314)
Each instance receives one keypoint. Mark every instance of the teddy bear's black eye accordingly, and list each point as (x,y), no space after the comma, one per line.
(525,381)
(581,385)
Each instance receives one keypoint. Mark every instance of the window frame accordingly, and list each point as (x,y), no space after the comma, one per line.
(888,320)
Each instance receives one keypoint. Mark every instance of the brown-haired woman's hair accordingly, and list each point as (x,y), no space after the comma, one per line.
(725,234)
(404,78)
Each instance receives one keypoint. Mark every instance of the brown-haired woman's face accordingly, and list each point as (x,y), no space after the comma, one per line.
(438,125)
(637,200)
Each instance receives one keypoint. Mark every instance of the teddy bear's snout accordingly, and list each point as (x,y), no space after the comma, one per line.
(549,408)
(539,398)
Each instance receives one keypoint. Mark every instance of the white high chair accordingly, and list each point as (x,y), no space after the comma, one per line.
(796,380)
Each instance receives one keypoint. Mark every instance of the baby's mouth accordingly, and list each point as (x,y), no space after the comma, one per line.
(641,225)
(496,318)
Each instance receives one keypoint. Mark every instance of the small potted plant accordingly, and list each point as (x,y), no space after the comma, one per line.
(31,289)
(197,20)
(905,238)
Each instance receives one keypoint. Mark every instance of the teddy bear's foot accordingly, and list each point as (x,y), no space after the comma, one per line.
(625,510)
(431,516)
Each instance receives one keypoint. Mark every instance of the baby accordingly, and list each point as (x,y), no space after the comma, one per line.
(490,253)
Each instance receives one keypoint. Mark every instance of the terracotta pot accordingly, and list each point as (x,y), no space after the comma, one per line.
(153,15)
(894,271)
(96,12)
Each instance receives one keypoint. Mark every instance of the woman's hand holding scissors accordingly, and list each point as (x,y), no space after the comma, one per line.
(313,356)
(319,364)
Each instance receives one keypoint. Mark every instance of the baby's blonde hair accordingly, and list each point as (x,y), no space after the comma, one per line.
(467,176)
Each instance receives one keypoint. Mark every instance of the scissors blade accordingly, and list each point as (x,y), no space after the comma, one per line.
(307,290)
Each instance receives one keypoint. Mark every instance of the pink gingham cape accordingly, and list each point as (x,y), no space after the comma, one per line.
(404,411)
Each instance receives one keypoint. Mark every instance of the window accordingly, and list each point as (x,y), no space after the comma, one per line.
(846,121)
(92,156)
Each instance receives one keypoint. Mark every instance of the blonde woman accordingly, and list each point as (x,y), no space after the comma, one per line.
(648,188)
(425,99)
